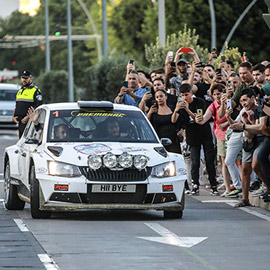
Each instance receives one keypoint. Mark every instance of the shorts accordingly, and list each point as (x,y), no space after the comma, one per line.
(221,148)
(248,156)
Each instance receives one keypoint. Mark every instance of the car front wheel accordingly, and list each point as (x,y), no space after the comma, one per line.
(35,197)
(178,213)
(11,199)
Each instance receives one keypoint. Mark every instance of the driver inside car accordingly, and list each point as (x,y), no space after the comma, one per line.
(61,132)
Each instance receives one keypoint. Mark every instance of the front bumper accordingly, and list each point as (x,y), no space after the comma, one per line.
(62,207)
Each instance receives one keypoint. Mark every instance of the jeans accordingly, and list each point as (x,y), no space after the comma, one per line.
(263,156)
(234,146)
(209,153)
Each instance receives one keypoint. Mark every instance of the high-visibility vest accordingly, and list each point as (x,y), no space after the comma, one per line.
(26,94)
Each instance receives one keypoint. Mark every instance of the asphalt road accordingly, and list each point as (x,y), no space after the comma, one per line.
(212,235)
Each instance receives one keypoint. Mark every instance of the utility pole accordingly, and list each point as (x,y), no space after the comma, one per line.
(213,24)
(161,22)
(47,42)
(104,29)
(70,63)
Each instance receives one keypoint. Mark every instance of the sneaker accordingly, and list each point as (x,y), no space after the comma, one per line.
(225,193)
(195,190)
(188,192)
(265,194)
(232,187)
(255,186)
(234,193)
(213,191)
(259,192)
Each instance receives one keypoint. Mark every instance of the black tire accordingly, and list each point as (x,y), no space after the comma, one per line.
(178,214)
(11,199)
(34,197)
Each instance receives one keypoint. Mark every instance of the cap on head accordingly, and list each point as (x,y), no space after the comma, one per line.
(26,74)
(182,60)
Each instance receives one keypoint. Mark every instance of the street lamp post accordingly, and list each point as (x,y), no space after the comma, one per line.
(70,64)
(47,42)
(161,22)
(104,28)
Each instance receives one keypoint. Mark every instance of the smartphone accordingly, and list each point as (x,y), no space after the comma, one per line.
(185,50)
(200,64)
(172,64)
(125,84)
(154,103)
(229,103)
(223,58)
(200,112)
(131,62)
(170,55)
(218,70)
(180,99)
(148,89)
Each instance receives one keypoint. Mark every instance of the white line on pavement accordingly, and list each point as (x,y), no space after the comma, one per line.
(219,201)
(21,225)
(1,200)
(48,262)
(252,212)
(1,181)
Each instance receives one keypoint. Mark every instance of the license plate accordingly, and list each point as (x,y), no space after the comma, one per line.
(5,118)
(113,188)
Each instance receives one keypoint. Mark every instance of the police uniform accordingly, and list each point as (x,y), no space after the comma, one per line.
(25,98)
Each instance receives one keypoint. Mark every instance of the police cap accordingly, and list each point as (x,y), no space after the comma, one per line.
(26,74)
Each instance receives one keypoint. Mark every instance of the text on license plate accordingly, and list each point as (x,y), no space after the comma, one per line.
(114,188)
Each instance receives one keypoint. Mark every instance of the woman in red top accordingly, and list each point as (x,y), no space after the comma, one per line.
(220,127)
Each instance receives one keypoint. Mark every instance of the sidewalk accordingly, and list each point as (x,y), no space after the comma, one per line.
(205,195)
(18,250)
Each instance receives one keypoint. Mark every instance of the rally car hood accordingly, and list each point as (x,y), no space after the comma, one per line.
(77,153)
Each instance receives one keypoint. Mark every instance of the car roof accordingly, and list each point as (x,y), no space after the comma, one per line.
(9,86)
(74,105)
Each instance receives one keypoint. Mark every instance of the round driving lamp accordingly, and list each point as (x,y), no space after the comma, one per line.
(140,162)
(110,160)
(125,160)
(94,162)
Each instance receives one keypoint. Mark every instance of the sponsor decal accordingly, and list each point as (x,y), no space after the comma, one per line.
(59,187)
(101,114)
(133,149)
(41,170)
(94,148)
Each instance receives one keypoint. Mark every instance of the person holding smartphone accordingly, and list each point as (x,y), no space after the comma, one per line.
(197,136)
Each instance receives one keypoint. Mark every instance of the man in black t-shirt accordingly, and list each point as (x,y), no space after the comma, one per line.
(197,136)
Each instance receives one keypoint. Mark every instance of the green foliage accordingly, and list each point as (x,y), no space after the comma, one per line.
(103,81)
(231,54)
(53,86)
(155,54)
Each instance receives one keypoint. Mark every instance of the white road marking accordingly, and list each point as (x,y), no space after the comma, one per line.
(48,262)
(220,201)
(21,225)
(169,238)
(1,181)
(1,200)
(252,212)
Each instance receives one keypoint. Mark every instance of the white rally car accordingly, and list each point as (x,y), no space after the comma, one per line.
(92,155)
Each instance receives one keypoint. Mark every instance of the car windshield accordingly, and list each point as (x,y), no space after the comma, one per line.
(7,95)
(90,125)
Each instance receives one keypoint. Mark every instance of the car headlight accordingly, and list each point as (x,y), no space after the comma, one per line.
(63,169)
(164,170)
(94,162)
(140,162)
(125,160)
(110,160)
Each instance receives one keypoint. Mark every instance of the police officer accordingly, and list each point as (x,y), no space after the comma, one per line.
(29,95)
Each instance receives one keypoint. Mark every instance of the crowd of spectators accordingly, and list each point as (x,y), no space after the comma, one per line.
(220,116)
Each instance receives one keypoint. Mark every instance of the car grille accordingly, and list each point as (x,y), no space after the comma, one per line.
(105,174)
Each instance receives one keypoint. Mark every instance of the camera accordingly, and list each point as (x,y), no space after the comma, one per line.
(131,61)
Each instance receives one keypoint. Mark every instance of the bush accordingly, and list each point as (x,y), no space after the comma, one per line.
(155,54)
(103,81)
(53,86)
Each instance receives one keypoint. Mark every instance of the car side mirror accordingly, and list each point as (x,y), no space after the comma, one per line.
(165,141)
(31,141)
